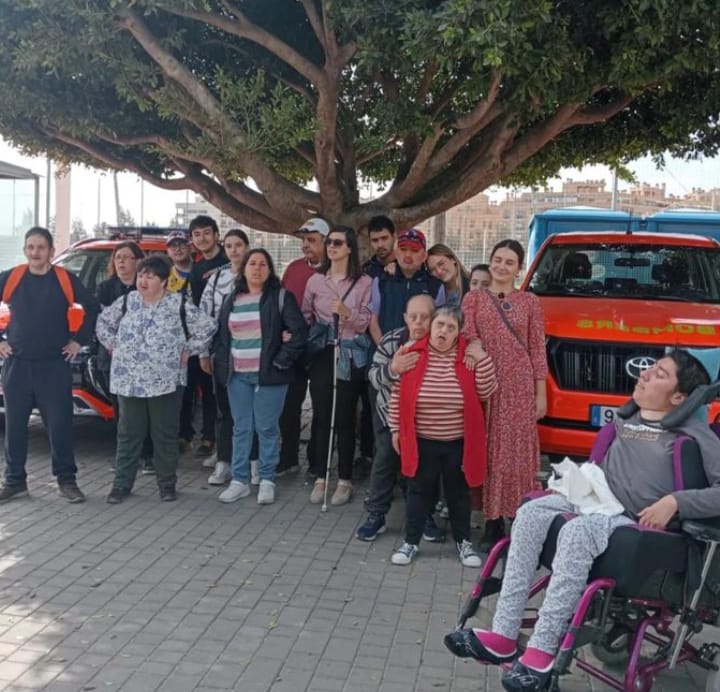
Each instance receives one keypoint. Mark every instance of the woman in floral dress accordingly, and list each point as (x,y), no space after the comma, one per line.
(509,324)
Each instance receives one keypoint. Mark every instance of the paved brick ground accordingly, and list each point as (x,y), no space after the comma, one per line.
(202,596)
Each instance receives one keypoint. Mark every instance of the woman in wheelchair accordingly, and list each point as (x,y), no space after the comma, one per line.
(641,471)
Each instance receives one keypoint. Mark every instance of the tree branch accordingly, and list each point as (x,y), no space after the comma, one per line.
(106,159)
(281,194)
(595,114)
(242,27)
(431,69)
(415,177)
(221,198)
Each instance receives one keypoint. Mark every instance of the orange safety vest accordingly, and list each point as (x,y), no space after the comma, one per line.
(75,312)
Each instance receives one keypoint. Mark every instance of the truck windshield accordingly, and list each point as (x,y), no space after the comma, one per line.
(626,270)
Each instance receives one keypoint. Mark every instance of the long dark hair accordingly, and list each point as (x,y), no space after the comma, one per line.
(272,281)
(354,268)
(126,244)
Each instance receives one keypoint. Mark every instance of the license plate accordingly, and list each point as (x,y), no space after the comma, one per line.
(600,415)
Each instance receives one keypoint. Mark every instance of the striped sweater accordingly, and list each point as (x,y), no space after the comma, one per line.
(245,332)
(439,412)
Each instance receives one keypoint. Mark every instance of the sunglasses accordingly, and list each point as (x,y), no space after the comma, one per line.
(335,242)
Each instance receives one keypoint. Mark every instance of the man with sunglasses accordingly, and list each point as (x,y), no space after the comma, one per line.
(408,277)
(312,234)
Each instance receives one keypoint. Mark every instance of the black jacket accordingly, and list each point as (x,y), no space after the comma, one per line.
(276,358)
(39,328)
(111,289)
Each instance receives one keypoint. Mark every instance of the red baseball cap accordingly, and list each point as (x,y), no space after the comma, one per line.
(412,237)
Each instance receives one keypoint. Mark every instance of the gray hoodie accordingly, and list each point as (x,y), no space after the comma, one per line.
(639,466)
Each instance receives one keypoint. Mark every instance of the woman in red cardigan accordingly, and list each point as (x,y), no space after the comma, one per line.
(438,429)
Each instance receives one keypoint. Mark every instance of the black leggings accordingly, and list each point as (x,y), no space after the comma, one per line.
(348,395)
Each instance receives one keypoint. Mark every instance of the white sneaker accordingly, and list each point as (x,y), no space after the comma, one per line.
(254,478)
(404,554)
(221,474)
(209,462)
(266,493)
(467,555)
(235,491)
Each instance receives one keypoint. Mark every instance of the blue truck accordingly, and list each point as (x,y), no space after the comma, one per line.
(584,219)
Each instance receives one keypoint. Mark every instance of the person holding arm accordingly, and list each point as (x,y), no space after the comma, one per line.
(437,423)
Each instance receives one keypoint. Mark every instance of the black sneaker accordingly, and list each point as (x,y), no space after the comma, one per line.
(465,644)
(71,493)
(520,678)
(374,525)
(10,492)
(432,533)
(117,495)
(168,495)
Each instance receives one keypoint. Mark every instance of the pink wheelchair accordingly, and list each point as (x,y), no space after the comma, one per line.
(650,591)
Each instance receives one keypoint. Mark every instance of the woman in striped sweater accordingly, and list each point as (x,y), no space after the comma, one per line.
(438,429)
(255,363)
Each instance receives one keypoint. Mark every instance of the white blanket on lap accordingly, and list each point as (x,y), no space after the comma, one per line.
(585,487)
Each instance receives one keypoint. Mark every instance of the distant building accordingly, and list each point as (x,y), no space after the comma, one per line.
(473,227)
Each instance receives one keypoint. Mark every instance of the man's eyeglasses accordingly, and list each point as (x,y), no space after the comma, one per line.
(335,242)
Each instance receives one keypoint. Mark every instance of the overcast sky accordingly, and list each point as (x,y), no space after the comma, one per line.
(159,205)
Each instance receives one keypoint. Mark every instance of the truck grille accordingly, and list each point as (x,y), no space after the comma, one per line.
(588,366)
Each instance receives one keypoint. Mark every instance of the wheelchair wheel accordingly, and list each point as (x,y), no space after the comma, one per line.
(612,649)
(713,681)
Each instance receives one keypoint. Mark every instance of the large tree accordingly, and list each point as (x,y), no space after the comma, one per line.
(274,110)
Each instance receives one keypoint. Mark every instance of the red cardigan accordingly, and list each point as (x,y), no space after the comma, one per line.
(474,450)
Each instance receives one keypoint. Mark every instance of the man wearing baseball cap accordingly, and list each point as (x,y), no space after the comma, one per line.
(410,277)
(312,233)
(178,249)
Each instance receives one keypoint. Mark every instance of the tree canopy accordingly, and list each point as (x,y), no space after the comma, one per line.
(276,110)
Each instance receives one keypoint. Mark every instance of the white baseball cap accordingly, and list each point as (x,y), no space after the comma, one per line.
(315,225)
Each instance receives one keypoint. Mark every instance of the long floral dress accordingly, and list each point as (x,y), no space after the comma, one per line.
(513,457)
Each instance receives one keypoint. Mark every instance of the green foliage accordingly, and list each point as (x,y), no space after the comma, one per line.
(80,86)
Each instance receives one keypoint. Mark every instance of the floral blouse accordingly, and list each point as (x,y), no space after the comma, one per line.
(148,343)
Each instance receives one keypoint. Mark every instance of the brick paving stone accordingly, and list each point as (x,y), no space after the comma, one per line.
(198,596)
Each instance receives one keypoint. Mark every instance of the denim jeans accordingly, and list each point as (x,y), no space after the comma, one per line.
(255,407)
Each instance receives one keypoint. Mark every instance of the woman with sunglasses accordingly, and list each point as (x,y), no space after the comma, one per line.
(339,294)
(509,324)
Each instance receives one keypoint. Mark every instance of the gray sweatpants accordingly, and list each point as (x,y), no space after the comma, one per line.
(579,542)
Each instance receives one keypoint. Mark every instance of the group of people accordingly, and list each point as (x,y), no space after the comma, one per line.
(451,365)
(447,364)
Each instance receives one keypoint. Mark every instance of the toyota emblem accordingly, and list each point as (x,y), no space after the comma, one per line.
(635,366)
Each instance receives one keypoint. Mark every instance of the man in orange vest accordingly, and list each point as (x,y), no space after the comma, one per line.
(43,336)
